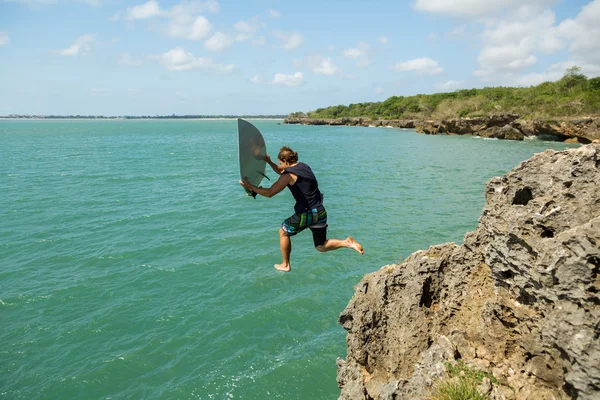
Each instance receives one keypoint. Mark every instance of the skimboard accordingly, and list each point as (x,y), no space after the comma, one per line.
(252,151)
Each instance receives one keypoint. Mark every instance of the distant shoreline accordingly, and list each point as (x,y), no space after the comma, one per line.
(140,119)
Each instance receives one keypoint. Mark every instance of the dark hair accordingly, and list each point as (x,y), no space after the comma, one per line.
(288,155)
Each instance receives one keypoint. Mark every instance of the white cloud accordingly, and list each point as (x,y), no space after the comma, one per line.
(360,53)
(459,32)
(126,60)
(218,42)
(274,14)
(450,85)
(182,20)
(379,90)
(382,39)
(4,39)
(256,79)
(422,66)
(326,67)
(178,59)
(185,26)
(144,11)
(289,40)
(192,7)
(81,46)
(295,79)
(352,53)
(475,8)
(510,45)
(433,36)
(506,57)
(356,52)
(246,29)
(538,32)
(225,68)
(318,64)
(211,6)
(555,72)
(583,31)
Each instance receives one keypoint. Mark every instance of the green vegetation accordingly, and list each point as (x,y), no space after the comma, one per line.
(470,373)
(462,383)
(573,95)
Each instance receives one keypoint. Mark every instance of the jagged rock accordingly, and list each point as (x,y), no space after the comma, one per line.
(506,132)
(582,130)
(462,126)
(572,131)
(519,299)
(497,126)
(431,128)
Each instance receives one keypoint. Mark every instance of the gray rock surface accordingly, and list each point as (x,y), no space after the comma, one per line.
(500,126)
(519,299)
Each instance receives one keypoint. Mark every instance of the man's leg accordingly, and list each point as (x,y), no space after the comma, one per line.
(285,244)
(334,244)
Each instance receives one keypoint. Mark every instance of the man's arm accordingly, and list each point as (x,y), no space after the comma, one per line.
(277,168)
(277,187)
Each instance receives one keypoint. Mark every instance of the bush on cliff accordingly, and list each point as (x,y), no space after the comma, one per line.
(462,383)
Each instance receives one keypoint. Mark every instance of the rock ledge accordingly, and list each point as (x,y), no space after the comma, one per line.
(519,299)
(499,126)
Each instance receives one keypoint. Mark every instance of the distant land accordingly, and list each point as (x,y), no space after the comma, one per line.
(572,96)
(172,116)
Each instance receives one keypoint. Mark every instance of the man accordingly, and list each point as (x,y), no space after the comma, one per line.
(308,211)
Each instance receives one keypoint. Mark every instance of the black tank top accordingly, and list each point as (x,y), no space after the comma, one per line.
(306,189)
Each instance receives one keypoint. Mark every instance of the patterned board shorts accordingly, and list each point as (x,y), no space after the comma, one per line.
(315,220)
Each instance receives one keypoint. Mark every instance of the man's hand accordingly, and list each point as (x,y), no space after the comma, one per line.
(268,159)
(245,183)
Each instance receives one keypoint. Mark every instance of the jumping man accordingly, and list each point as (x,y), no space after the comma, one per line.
(308,211)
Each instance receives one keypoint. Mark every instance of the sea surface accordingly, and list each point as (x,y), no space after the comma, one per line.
(133,265)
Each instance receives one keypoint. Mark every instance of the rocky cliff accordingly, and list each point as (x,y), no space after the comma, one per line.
(519,299)
(500,126)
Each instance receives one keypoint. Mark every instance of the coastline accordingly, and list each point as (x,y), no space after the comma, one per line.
(581,130)
(137,119)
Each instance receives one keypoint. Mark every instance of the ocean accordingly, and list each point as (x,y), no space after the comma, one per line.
(133,265)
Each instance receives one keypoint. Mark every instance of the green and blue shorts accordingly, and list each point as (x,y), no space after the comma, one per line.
(315,220)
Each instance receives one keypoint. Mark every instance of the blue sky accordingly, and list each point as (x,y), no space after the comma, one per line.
(158,57)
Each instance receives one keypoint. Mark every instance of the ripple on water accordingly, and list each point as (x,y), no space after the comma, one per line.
(133,265)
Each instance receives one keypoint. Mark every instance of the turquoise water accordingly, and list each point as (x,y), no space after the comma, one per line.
(132,265)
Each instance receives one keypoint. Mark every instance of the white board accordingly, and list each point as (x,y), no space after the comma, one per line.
(252,151)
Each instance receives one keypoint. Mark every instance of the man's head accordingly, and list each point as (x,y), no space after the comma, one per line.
(287,155)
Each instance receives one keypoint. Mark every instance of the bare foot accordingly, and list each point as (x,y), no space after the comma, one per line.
(355,245)
(283,267)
